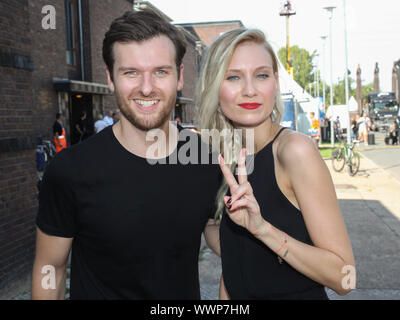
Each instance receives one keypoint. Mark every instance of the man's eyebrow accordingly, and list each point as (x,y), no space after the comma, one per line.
(123,68)
(239,70)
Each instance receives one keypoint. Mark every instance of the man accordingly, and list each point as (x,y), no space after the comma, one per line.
(81,128)
(100,124)
(395,131)
(337,129)
(60,140)
(129,237)
(108,119)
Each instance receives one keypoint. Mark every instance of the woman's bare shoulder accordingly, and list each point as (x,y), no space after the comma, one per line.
(294,146)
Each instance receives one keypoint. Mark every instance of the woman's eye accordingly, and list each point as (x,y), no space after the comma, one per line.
(231,78)
(263,76)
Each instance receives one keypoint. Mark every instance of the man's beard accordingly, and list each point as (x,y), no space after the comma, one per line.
(146,122)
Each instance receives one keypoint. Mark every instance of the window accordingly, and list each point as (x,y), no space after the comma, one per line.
(71,31)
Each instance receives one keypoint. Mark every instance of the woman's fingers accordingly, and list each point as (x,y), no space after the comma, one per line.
(230,179)
(242,190)
(242,171)
(243,203)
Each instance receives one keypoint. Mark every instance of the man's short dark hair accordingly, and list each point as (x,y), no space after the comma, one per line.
(58,115)
(140,26)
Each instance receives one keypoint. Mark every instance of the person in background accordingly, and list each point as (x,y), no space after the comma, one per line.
(395,130)
(177,119)
(59,134)
(81,127)
(337,129)
(115,116)
(315,130)
(364,123)
(353,128)
(100,124)
(108,119)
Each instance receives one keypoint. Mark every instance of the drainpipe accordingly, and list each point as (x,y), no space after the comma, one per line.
(81,39)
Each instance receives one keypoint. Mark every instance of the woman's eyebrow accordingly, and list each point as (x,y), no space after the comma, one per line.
(258,68)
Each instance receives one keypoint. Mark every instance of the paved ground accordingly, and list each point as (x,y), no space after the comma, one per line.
(370,205)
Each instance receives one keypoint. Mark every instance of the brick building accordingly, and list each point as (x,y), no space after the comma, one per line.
(47,66)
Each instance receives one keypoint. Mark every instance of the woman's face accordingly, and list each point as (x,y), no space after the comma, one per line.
(248,90)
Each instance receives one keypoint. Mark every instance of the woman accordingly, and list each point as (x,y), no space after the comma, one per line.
(282,235)
(364,123)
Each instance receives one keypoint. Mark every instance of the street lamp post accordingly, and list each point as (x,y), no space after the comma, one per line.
(397,66)
(346,76)
(323,70)
(330,10)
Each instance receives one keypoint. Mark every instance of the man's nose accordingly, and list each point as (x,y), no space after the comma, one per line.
(146,87)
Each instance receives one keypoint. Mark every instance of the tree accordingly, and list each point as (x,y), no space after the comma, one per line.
(301,61)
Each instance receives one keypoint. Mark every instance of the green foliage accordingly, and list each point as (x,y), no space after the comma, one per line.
(302,64)
(303,74)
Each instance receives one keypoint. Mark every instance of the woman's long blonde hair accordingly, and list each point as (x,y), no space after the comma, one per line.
(209,114)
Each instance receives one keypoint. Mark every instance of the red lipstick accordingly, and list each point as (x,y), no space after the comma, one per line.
(250,106)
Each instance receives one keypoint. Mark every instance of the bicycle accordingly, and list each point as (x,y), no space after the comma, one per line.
(346,155)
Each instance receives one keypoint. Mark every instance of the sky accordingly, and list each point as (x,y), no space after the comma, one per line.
(373,29)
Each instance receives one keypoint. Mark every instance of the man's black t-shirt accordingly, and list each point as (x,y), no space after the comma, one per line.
(136,227)
(57,128)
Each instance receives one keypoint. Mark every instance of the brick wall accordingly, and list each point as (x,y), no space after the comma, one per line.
(30,57)
(100,23)
(189,77)
(18,125)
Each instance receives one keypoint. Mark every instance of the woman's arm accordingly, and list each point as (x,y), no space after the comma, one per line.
(223,294)
(328,261)
(211,235)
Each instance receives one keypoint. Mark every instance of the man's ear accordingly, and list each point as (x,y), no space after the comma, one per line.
(110,81)
(180,79)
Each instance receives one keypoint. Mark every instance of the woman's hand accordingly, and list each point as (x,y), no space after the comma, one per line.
(242,206)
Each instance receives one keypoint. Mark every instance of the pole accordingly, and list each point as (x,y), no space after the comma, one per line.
(331,80)
(346,77)
(323,71)
(287,11)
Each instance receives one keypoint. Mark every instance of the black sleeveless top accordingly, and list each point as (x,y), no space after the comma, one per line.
(251,270)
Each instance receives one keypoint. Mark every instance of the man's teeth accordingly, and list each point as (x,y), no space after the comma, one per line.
(146,103)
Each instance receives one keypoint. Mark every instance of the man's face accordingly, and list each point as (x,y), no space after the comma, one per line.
(146,81)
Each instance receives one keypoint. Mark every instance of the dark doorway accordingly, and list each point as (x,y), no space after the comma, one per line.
(178,111)
(81,102)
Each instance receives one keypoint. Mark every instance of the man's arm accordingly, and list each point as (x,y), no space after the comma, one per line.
(50,251)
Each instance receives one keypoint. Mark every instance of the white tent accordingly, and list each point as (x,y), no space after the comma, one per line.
(340,111)
(288,85)
(353,105)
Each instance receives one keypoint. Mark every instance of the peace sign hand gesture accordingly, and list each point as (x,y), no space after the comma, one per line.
(242,206)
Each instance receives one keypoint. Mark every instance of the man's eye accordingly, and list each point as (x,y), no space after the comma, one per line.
(232,78)
(131,73)
(161,72)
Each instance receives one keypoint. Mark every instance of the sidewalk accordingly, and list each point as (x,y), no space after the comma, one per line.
(370,204)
